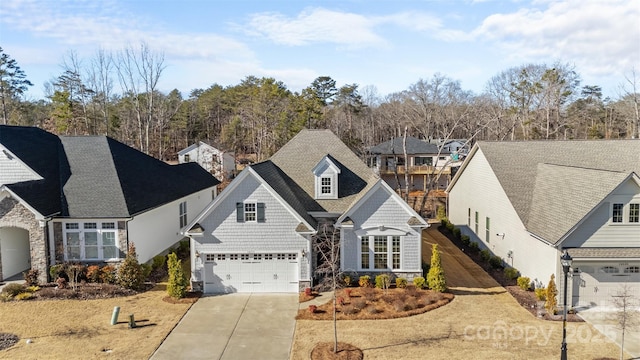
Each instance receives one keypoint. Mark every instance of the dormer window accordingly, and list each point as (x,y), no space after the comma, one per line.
(326,178)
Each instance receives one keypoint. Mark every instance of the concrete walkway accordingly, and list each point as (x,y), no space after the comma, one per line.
(234,326)
(604,320)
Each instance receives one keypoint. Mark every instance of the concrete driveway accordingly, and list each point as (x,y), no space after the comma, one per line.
(604,320)
(234,326)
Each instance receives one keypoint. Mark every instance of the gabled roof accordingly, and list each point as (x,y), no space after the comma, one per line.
(414,146)
(194,146)
(96,176)
(304,151)
(540,176)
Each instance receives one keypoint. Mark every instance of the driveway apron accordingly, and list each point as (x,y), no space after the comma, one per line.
(234,326)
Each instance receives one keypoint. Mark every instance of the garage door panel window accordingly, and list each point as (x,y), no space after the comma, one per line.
(90,241)
(609,269)
(380,252)
(632,270)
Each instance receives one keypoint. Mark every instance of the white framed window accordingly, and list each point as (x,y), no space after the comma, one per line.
(616,216)
(183,214)
(325,185)
(469,217)
(487,229)
(380,252)
(622,213)
(90,241)
(477,218)
(250,211)
(634,213)
(187,158)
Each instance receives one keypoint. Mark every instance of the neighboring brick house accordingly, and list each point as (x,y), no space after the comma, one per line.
(85,198)
(257,235)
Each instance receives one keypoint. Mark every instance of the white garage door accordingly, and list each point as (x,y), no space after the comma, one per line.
(243,272)
(595,285)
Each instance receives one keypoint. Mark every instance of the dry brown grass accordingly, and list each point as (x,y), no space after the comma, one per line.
(377,304)
(467,328)
(81,329)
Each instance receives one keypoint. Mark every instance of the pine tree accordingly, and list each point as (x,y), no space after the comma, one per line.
(552,292)
(435,277)
(177,286)
(130,272)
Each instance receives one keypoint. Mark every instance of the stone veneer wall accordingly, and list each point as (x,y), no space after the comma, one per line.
(14,214)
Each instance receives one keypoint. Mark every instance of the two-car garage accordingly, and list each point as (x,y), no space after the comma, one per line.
(250,272)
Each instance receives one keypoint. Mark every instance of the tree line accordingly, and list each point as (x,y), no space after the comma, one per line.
(117,94)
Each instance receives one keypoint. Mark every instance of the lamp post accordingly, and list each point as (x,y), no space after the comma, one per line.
(565,260)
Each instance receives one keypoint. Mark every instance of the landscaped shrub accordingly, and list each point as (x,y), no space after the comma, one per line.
(349,310)
(108,274)
(307,291)
(485,255)
(524,283)
(383,281)
(511,273)
(441,213)
(13,289)
(31,277)
(435,278)
(401,283)
(146,270)
(466,240)
(76,272)
(183,249)
(551,294)
(456,233)
(62,283)
(93,273)
(541,294)
(158,262)
(177,286)
(130,273)
(496,262)
(450,226)
(312,308)
(24,296)
(57,271)
(33,288)
(364,281)
(359,303)
(474,247)
(419,282)
(346,279)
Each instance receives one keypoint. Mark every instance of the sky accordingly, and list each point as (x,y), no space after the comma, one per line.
(383,46)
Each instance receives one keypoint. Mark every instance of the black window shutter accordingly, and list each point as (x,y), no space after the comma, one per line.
(240,212)
(260,209)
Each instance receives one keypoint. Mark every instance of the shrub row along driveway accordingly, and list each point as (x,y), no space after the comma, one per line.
(482,322)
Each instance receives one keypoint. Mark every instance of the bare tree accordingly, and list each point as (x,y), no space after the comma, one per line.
(626,314)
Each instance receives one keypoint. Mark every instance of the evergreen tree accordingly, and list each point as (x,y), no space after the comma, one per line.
(13,83)
(552,292)
(435,277)
(130,273)
(177,286)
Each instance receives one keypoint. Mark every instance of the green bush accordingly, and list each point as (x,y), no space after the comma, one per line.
(13,289)
(435,278)
(108,274)
(466,240)
(130,273)
(158,262)
(401,283)
(346,279)
(457,234)
(441,213)
(551,293)
(474,247)
(383,281)
(450,226)
(58,270)
(524,282)
(541,294)
(177,286)
(496,262)
(146,270)
(364,281)
(511,273)
(485,255)
(419,282)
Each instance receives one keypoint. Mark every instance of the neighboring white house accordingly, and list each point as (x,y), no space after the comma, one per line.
(529,201)
(258,235)
(86,198)
(220,163)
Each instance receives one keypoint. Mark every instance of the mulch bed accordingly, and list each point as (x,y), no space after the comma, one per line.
(325,351)
(527,299)
(8,340)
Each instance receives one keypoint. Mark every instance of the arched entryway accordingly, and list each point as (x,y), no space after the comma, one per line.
(15,256)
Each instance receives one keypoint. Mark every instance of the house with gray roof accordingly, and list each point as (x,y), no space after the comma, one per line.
(86,198)
(528,202)
(260,234)
(426,165)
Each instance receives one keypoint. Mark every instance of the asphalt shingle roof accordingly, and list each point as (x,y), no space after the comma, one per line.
(559,179)
(414,146)
(96,176)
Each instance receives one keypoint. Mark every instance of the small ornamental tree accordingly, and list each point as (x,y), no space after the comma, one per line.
(552,292)
(130,273)
(435,277)
(177,286)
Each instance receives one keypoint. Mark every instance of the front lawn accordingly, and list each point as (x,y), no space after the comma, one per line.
(81,329)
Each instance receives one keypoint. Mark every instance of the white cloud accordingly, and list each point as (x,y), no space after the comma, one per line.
(601,37)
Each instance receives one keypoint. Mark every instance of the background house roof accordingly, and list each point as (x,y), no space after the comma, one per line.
(302,153)
(96,176)
(414,146)
(585,172)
